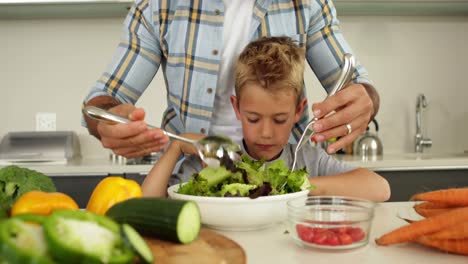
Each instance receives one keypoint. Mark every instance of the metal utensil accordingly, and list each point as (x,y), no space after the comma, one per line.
(345,76)
(211,148)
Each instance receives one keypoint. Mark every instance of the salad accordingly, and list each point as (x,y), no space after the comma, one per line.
(246,178)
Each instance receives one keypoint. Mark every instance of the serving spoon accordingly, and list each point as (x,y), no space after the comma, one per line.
(349,63)
(211,149)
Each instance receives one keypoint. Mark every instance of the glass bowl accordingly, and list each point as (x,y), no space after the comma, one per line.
(330,222)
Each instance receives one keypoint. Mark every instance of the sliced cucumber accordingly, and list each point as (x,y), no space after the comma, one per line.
(137,244)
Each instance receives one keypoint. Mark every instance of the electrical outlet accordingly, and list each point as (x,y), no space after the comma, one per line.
(46,121)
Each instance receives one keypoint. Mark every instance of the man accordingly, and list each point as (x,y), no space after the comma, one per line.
(196,43)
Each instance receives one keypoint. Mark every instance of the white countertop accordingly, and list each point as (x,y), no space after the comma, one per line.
(410,161)
(387,162)
(272,245)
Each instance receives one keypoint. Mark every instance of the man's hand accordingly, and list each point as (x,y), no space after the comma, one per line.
(129,140)
(355,106)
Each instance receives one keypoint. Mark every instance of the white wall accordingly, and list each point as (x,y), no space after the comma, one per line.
(49,66)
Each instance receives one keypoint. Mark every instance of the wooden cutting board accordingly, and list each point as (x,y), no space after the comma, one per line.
(209,248)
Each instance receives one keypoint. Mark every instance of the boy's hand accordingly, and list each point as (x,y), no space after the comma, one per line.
(133,139)
(355,106)
(188,148)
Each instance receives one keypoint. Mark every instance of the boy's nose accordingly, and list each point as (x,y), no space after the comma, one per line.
(267,130)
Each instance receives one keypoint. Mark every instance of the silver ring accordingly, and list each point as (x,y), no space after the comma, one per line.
(348,126)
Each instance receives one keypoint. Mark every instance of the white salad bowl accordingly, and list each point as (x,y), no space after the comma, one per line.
(240,213)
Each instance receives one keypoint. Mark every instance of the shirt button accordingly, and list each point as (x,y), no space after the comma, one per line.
(215,52)
(202,131)
(217,12)
(209,90)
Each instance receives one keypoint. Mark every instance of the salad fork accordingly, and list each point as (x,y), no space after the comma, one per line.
(349,63)
(211,149)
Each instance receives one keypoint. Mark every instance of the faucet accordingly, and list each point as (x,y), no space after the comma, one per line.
(420,141)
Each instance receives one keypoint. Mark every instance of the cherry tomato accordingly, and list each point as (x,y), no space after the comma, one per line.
(320,238)
(320,230)
(330,236)
(340,230)
(345,239)
(356,234)
(306,233)
(333,240)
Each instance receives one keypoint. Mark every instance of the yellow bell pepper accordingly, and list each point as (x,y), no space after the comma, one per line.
(43,203)
(112,190)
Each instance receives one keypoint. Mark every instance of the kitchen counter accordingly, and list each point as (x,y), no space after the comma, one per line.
(406,173)
(410,161)
(272,245)
(387,162)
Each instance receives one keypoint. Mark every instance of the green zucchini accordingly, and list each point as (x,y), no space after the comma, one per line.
(162,218)
(137,244)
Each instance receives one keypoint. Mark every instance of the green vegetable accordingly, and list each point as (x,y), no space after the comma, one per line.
(15,181)
(208,180)
(23,242)
(32,218)
(63,237)
(248,178)
(163,218)
(237,189)
(137,244)
(214,176)
(3,214)
(85,237)
(297,182)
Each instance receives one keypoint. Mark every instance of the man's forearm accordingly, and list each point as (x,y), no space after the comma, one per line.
(104,102)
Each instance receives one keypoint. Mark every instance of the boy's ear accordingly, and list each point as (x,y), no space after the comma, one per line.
(235,105)
(299,109)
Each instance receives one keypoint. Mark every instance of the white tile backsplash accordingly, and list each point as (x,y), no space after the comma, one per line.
(49,66)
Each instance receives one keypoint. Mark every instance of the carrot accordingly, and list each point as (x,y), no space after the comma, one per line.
(431,205)
(424,227)
(453,196)
(431,212)
(458,246)
(458,231)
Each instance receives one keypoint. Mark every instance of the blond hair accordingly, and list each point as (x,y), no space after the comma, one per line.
(276,63)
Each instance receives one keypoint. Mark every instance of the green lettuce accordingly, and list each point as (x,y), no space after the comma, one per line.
(248,178)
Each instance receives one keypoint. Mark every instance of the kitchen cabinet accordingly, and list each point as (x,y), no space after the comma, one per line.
(138,177)
(79,187)
(407,173)
(18,9)
(28,9)
(405,183)
(402,7)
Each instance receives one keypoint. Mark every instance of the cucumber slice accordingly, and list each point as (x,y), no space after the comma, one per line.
(137,244)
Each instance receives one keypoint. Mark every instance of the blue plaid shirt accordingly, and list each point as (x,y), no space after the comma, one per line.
(185,38)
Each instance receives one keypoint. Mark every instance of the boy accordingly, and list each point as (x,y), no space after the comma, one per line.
(268,101)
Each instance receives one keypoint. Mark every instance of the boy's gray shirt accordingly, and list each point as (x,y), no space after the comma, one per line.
(316,161)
